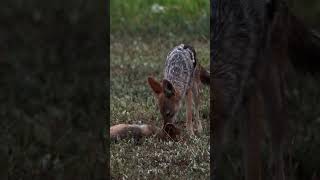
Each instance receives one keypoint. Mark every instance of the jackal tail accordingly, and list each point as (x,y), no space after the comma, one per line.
(204,75)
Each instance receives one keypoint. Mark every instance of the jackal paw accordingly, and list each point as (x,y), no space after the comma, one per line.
(190,130)
(198,127)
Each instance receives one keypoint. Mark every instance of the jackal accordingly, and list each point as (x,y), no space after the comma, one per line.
(251,55)
(182,79)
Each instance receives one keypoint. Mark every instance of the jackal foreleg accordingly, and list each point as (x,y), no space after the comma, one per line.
(252,128)
(189,123)
(196,100)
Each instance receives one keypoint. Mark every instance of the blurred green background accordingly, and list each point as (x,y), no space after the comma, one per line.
(166,18)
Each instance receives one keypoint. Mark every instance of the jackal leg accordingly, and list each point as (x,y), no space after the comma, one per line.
(252,136)
(274,92)
(218,117)
(277,117)
(196,100)
(189,123)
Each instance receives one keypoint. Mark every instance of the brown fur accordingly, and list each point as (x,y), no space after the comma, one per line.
(123,131)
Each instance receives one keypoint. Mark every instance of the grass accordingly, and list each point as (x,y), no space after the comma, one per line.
(132,102)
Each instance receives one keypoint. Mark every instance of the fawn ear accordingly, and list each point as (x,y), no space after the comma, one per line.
(168,88)
(155,85)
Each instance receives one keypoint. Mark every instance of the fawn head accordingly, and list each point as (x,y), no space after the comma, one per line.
(167,97)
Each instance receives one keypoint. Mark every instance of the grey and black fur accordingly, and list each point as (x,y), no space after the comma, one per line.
(180,67)
(183,76)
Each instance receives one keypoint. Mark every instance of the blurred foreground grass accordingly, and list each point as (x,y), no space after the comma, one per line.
(52,91)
